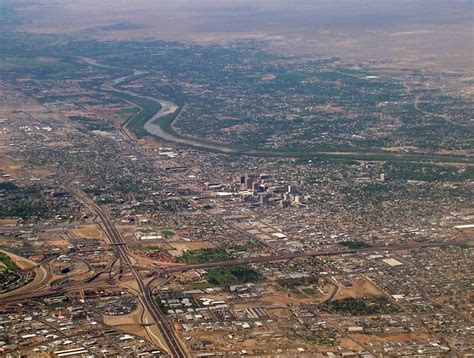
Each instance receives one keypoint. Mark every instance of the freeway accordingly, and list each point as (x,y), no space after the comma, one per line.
(145,297)
(271,258)
(54,291)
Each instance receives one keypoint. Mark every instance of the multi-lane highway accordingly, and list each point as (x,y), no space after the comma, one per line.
(173,344)
(283,257)
(168,339)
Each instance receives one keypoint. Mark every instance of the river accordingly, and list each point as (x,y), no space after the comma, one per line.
(152,126)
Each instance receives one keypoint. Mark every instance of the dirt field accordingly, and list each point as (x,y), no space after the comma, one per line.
(89,232)
(129,323)
(348,343)
(58,241)
(280,297)
(391,337)
(41,279)
(137,323)
(17,170)
(10,166)
(360,288)
(279,312)
(21,262)
(180,247)
(8,222)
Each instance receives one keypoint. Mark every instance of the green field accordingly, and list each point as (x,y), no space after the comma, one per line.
(146,248)
(128,110)
(233,275)
(354,244)
(309,291)
(167,233)
(200,285)
(204,255)
(28,63)
(137,122)
(7,263)
(359,306)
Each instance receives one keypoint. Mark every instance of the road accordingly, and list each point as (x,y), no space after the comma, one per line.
(168,107)
(271,258)
(145,297)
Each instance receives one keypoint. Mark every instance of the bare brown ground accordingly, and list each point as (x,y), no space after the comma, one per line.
(127,231)
(390,337)
(180,247)
(41,279)
(279,312)
(33,354)
(410,36)
(58,241)
(89,231)
(4,138)
(134,323)
(10,166)
(21,262)
(250,340)
(279,296)
(129,323)
(360,288)
(8,222)
(461,302)
(348,343)
(130,282)
(17,170)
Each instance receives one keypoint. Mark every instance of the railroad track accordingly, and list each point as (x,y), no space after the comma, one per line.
(271,258)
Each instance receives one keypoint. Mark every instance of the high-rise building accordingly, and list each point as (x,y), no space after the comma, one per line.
(291,189)
(248,183)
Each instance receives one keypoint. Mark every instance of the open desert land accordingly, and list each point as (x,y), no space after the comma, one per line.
(404,33)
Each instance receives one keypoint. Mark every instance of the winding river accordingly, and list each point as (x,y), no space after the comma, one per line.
(153,127)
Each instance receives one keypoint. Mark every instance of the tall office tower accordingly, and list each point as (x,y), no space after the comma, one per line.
(248,183)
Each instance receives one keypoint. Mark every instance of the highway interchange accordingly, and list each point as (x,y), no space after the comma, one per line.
(172,342)
(127,264)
